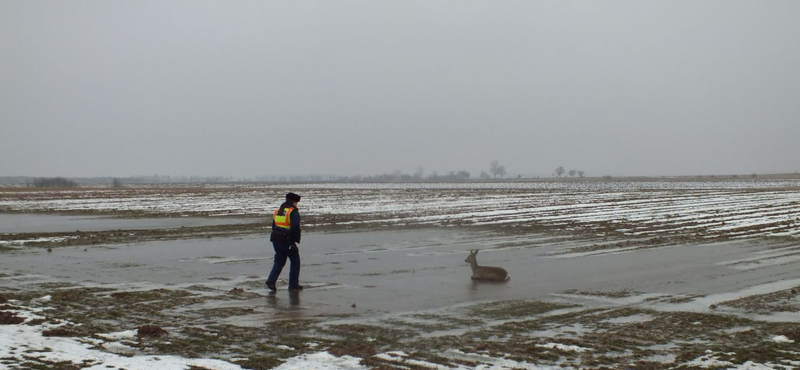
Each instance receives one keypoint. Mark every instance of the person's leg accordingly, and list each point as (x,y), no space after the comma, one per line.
(277,265)
(294,268)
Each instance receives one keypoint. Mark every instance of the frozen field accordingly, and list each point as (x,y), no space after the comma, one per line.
(650,275)
(727,209)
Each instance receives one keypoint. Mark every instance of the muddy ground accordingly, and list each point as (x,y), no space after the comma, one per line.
(400,296)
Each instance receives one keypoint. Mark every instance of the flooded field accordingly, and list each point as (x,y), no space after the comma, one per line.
(46,223)
(603,275)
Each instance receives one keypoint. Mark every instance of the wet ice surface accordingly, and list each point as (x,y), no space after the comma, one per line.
(37,223)
(401,278)
(398,271)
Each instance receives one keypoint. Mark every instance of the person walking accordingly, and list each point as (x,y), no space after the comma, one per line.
(284,237)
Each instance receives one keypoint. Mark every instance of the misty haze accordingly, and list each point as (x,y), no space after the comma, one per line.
(479,185)
(357,88)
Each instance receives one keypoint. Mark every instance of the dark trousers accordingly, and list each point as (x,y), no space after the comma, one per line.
(285,250)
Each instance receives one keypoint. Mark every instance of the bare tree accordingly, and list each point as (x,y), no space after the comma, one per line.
(484,175)
(572,173)
(116,183)
(559,171)
(497,169)
(581,174)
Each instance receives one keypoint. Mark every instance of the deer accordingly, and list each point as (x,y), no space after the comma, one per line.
(485,272)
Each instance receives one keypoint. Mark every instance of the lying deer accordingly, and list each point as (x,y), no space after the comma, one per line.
(485,272)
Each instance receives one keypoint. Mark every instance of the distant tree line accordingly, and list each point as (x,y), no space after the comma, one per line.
(399,176)
(450,176)
(53,182)
(115,182)
(166,179)
(495,170)
(295,178)
(560,171)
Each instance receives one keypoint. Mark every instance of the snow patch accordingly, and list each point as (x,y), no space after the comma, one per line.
(25,343)
(128,334)
(321,361)
(564,347)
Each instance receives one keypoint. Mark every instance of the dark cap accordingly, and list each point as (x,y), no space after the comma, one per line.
(293,197)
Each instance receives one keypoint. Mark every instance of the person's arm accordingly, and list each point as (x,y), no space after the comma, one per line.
(295,230)
(272,235)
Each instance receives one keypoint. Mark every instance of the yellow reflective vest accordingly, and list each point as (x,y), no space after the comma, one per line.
(283,221)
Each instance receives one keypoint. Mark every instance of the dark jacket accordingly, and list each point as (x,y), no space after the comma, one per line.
(293,236)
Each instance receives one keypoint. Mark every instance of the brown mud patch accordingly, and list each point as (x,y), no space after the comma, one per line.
(791,333)
(9,318)
(59,332)
(151,331)
(541,332)
(787,300)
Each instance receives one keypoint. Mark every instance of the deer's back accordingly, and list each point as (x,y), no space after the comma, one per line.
(490,273)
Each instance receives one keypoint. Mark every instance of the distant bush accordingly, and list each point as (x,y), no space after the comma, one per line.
(53,182)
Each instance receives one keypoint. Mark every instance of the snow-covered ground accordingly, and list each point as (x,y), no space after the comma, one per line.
(731,209)
(738,264)
(24,345)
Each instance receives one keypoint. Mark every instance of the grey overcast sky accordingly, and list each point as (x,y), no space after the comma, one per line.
(246,88)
